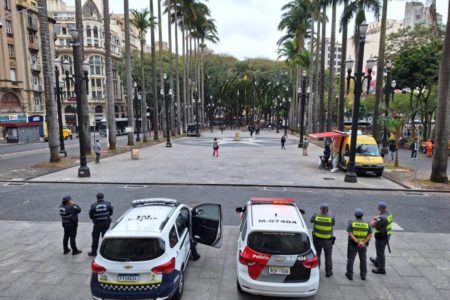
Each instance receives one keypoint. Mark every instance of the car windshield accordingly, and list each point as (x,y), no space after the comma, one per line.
(367,150)
(279,242)
(132,249)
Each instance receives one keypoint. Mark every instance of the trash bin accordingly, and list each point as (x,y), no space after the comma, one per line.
(134,153)
(237,136)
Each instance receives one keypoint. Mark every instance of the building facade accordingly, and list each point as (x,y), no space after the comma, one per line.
(337,55)
(22,97)
(416,13)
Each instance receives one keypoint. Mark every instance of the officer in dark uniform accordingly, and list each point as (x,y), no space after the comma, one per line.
(359,235)
(323,236)
(69,214)
(383,227)
(100,213)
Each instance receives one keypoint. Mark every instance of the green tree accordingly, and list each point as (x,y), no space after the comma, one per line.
(154,89)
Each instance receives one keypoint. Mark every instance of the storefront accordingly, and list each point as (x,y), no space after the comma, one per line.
(17,129)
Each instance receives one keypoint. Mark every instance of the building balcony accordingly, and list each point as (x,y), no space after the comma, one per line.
(32,26)
(37,87)
(33,46)
(36,67)
(12,63)
(10,40)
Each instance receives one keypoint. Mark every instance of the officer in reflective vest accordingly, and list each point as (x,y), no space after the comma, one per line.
(69,216)
(359,235)
(323,236)
(100,213)
(383,227)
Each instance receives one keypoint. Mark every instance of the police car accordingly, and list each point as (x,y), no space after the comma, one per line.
(275,255)
(144,253)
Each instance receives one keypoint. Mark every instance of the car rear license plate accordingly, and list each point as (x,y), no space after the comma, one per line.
(128,277)
(279,270)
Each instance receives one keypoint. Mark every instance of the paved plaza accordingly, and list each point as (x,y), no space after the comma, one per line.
(33,267)
(249,161)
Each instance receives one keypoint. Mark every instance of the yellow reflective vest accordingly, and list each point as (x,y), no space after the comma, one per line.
(323,227)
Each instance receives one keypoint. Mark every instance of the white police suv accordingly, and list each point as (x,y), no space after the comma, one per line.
(144,253)
(275,255)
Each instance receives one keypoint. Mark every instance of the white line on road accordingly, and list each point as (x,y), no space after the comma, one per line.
(396,227)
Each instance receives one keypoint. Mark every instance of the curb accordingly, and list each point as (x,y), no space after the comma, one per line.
(228,185)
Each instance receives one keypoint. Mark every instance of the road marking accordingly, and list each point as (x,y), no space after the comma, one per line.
(275,189)
(134,186)
(396,227)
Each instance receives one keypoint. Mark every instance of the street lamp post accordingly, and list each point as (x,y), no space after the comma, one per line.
(350,175)
(167,93)
(196,102)
(58,92)
(286,106)
(138,112)
(78,78)
(302,94)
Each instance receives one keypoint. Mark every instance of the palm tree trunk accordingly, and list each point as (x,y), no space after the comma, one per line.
(187,100)
(155,84)
(440,157)
(317,85)
(188,80)
(109,78)
(322,72)
(376,130)
(128,72)
(177,74)
(310,80)
(85,122)
(173,129)
(161,69)
(202,78)
(341,105)
(50,103)
(143,111)
(331,69)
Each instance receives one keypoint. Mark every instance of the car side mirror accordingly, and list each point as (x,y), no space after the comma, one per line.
(239,210)
(302,211)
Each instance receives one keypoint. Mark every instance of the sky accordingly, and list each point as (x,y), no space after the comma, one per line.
(248,28)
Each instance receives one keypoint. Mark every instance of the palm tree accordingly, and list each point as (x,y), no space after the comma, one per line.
(331,67)
(128,72)
(341,104)
(155,84)
(161,67)
(50,104)
(169,4)
(85,121)
(380,68)
(440,157)
(322,67)
(142,21)
(180,120)
(109,77)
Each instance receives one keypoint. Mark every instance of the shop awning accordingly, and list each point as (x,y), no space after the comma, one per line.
(328,134)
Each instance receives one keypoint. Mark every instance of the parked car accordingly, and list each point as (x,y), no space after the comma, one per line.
(145,253)
(275,254)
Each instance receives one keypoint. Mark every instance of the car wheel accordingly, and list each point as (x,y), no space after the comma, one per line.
(179,292)
(239,287)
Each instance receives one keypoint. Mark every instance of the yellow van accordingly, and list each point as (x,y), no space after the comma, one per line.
(67,133)
(367,159)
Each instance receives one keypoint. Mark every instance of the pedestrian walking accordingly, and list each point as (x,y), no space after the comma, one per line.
(323,236)
(69,215)
(305,146)
(359,235)
(283,141)
(100,214)
(413,148)
(429,148)
(215,148)
(392,148)
(383,227)
(97,148)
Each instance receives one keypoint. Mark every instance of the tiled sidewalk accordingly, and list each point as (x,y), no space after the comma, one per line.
(33,267)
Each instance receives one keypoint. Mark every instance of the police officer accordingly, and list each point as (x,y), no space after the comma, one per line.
(100,213)
(383,227)
(69,214)
(359,235)
(323,236)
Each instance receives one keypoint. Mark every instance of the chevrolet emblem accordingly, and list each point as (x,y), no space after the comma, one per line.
(279,259)
(128,267)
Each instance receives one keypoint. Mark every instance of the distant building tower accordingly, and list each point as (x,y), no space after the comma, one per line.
(416,13)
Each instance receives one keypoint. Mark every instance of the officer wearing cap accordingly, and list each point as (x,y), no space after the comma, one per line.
(69,215)
(100,213)
(359,235)
(383,227)
(323,236)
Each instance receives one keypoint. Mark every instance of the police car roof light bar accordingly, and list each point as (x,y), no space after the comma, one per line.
(154,201)
(286,201)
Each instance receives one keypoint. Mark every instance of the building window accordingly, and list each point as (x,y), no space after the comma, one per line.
(11,51)
(8,25)
(31,37)
(418,17)
(95,32)
(88,31)
(37,102)
(6,4)
(64,30)
(12,74)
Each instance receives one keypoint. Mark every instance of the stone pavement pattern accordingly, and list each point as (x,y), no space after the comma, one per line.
(33,267)
(256,161)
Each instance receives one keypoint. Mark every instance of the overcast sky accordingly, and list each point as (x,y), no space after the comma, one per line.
(248,28)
